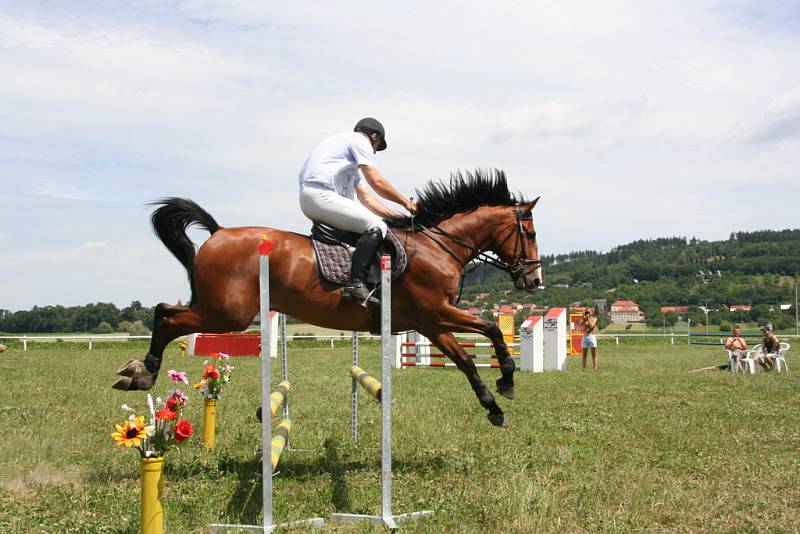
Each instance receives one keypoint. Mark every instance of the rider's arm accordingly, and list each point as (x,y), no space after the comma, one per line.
(382,186)
(373,204)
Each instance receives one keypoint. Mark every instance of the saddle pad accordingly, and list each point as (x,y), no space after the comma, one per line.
(334,261)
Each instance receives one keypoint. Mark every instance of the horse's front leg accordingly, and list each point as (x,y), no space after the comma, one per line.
(457,320)
(505,384)
(449,346)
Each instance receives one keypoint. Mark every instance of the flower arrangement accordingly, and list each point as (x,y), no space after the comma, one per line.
(166,428)
(215,376)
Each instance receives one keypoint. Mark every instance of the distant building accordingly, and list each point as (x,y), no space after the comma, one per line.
(675,309)
(600,305)
(625,311)
(739,307)
(472,310)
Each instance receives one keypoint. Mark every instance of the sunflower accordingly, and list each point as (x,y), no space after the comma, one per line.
(130,433)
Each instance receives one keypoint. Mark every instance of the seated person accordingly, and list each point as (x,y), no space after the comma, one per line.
(737,345)
(770,346)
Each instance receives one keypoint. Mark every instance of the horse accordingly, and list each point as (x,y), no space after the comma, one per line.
(455,224)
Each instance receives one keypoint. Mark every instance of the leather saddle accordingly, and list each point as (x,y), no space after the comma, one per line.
(333,249)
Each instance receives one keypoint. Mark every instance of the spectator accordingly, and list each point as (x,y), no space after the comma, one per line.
(736,345)
(770,346)
(589,341)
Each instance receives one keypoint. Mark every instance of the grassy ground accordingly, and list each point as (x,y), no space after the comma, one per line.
(641,445)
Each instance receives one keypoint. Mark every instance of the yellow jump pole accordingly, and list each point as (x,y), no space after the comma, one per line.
(372,386)
(279,441)
(278,397)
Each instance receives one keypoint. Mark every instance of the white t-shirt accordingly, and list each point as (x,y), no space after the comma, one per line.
(333,164)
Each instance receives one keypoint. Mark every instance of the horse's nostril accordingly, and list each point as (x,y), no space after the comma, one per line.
(537,282)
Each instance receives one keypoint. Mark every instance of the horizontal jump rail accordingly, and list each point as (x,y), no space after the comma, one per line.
(439,355)
(448,364)
(463,344)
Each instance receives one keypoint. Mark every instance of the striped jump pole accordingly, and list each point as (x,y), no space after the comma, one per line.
(370,385)
(387,519)
(267,443)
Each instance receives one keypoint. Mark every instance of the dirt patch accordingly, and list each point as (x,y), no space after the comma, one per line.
(42,474)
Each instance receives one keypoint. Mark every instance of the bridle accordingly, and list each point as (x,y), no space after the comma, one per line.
(520,267)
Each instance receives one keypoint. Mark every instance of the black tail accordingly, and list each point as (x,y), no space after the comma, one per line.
(171,220)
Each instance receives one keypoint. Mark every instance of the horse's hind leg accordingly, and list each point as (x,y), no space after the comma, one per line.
(169,323)
(448,344)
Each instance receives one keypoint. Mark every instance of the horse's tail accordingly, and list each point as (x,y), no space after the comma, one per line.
(171,220)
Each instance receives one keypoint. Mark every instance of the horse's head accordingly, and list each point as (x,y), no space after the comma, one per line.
(518,249)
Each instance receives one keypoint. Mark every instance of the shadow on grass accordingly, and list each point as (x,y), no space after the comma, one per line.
(245,504)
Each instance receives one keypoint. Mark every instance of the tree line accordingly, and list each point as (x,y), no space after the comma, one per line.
(758,269)
(96,318)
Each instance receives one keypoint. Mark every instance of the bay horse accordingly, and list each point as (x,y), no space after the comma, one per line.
(454,225)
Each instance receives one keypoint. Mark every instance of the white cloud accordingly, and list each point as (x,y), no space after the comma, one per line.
(780,121)
(60,191)
(655,118)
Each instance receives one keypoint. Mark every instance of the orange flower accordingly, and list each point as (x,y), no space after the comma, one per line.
(166,413)
(210,371)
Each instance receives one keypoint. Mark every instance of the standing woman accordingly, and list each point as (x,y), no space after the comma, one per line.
(589,341)
(331,179)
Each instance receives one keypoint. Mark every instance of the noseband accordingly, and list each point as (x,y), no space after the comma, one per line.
(522,265)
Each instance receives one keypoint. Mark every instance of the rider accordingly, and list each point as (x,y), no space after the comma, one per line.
(330,180)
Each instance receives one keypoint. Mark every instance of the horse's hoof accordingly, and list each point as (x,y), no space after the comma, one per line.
(137,383)
(125,383)
(498,419)
(505,391)
(133,368)
(258,414)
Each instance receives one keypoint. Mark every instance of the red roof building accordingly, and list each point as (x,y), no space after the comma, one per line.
(625,311)
(676,309)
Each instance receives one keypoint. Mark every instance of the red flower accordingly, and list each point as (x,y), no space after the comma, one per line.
(215,355)
(211,371)
(183,430)
(166,413)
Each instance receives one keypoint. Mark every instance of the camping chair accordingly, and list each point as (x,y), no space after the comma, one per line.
(747,357)
(780,357)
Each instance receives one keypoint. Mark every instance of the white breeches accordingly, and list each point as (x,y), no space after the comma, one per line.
(334,210)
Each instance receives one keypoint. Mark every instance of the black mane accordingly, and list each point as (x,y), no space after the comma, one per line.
(467,191)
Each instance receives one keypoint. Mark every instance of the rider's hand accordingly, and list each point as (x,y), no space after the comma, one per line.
(411,206)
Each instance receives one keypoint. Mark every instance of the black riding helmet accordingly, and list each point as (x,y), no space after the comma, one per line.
(369,125)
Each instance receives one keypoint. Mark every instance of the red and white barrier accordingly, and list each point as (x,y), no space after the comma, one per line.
(414,350)
(232,344)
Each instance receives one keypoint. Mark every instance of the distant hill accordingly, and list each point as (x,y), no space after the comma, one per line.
(751,268)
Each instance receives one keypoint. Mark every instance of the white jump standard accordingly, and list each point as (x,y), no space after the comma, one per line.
(386,518)
(267,468)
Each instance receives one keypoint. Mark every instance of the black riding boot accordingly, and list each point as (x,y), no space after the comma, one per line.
(366,250)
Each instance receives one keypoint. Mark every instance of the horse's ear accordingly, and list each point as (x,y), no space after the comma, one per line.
(533,204)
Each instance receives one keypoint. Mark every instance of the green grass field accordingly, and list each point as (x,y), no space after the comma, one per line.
(641,445)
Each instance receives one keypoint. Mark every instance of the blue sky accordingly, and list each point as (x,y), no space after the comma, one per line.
(632,120)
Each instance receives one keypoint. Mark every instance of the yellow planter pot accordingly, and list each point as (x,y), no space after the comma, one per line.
(152,485)
(210,423)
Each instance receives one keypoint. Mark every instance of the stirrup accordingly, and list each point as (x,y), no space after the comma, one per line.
(358,291)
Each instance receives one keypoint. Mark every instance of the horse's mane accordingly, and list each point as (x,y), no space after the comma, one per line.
(466,191)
